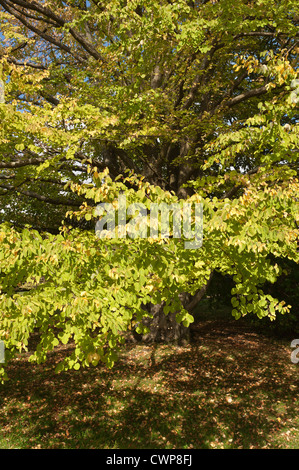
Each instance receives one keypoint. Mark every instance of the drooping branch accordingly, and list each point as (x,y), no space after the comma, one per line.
(41,33)
(199,294)
(56,21)
(40,197)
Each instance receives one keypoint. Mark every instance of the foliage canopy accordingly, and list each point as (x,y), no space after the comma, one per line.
(161,101)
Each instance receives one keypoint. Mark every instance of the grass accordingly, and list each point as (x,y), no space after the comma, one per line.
(230,388)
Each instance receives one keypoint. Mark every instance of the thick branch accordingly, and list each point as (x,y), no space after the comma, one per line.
(21,163)
(55,201)
(199,294)
(245,96)
(88,47)
(50,99)
(198,79)
(37,31)
(26,64)
(40,197)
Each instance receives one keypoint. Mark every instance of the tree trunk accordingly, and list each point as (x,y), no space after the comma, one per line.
(164,328)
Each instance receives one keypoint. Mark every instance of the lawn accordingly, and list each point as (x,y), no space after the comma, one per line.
(230,388)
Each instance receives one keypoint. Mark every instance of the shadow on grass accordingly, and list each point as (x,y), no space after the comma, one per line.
(228,389)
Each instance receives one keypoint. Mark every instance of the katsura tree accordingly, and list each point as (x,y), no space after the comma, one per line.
(163,102)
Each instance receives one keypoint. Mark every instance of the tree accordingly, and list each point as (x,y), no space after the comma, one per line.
(198,106)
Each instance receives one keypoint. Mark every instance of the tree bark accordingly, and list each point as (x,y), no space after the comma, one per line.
(164,328)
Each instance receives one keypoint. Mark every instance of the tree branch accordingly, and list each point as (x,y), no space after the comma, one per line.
(197,81)
(12,60)
(21,163)
(245,96)
(40,33)
(199,294)
(87,46)
(40,197)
